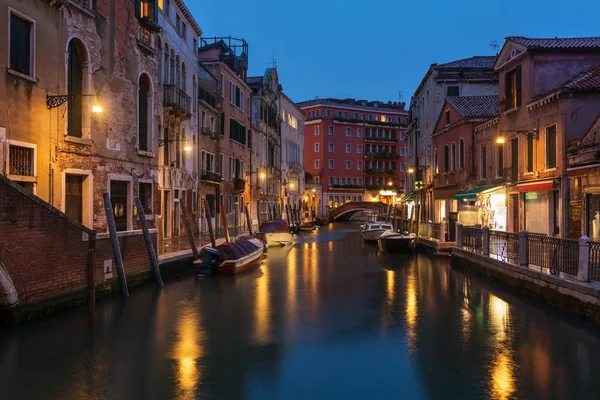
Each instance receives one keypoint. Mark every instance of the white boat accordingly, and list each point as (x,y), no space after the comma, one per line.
(372,230)
(276,232)
(394,242)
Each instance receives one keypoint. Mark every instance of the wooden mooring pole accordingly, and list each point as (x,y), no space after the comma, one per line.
(224,222)
(248,220)
(188,225)
(91,283)
(114,240)
(211,232)
(148,240)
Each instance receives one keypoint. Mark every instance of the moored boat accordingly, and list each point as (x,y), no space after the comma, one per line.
(276,232)
(231,258)
(308,226)
(393,242)
(372,230)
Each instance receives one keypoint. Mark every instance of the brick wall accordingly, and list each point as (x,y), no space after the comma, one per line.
(45,252)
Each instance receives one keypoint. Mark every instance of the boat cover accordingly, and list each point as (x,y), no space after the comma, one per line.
(274,226)
(237,250)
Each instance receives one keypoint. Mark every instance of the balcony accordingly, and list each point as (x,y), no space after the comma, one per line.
(211,177)
(381,139)
(387,156)
(209,132)
(203,94)
(177,101)
(382,187)
(145,39)
(239,184)
(274,172)
(380,171)
(511,174)
(346,187)
(295,166)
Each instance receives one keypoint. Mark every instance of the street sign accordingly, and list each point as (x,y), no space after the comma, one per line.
(419,185)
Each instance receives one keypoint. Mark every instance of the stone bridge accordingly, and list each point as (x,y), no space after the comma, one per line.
(344,212)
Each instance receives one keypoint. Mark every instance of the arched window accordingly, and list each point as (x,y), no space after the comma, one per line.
(144,111)
(75,89)
(453,157)
(446,159)
(461,153)
(436,169)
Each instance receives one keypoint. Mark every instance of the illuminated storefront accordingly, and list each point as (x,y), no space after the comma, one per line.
(484,206)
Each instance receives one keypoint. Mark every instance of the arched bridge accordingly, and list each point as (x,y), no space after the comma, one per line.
(345,211)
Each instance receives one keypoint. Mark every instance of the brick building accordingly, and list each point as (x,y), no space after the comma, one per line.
(292,152)
(354,149)
(227,60)
(178,178)
(64,62)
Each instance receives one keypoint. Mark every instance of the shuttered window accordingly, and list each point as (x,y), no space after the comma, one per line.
(20,45)
(446,159)
(551,147)
(237,131)
(513,88)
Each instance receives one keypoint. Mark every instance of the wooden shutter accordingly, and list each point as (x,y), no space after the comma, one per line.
(138,8)
(518,77)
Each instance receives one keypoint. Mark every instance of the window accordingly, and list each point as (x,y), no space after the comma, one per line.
(452,91)
(348,132)
(207,161)
(317,178)
(317,166)
(237,131)
(316,131)
(330,147)
(499,159)
(483,162)
(145,195)
(330,162)
(402,151)
(221,164)
(446,158)
(339,114)
(144,112)
(331,130)
(359,165)
(355,115)
(359,181)
(183,30)
(75,89)
(330,181)
(348,164)
(231,168)
(22,44)
(359,149)
(346,115)
(236,96)
(119,198)
(364,117)
(21,160)
(167,6)
(398,120)
(436,169)
(359,132)
(401,135)
(530,153)
(316,147)
(513,88)
(178,22)
(348,148)
(328,113)
(551,147)
(74,196)
(461,153)
(453,157)
(370,117)
(447,117)
(402,167)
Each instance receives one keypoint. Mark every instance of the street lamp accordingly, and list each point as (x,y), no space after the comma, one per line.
(390,183)
(186,147)
(411,170)
(59,100)
(500,140)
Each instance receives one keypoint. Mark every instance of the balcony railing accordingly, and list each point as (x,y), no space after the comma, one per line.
(346,186)
(209,132)
(211,176)
(381,139)
(145,38)
(389,156)
(380,171)
(177,99)
(295,166)
(239,184)
(511,174)
(203,94)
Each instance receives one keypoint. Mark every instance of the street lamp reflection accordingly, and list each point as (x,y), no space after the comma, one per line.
(188,351)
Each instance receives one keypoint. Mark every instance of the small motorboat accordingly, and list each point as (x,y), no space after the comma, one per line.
(230,258)
(393,242)
(372,230)
(276,232)
(308,226)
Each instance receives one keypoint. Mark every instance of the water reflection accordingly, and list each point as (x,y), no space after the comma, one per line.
(262,309)
(502,369)
(188,351)
(412,311)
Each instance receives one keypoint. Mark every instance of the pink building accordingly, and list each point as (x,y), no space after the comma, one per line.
(354,149)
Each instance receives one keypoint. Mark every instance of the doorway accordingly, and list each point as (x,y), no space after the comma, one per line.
(74,197)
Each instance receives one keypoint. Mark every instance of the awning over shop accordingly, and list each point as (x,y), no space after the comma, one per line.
(540,186)
(472,194)
(408,197)
(444,193)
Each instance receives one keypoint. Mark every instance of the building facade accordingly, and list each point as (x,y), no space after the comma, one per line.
(292,154)
(227,60)
(63,66)
(472,76)
(178,179)
(345,137)
(265,173)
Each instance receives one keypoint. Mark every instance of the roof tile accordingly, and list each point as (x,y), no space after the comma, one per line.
(474,106)
(484,62)
(557,43)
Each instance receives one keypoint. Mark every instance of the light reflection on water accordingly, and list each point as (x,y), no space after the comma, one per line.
(319,320)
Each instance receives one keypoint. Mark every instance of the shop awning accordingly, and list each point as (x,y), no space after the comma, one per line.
(408,197)
(539,186)
(472,194)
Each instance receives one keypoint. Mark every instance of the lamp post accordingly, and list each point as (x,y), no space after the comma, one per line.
(59,100)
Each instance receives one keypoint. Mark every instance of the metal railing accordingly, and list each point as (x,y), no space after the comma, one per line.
(594,261)
(472,240)
(557,255)
(381,139)
(145,37)
(435,230)
(177,98)
(203,94)
(505,246)
(295,166)
(211,176)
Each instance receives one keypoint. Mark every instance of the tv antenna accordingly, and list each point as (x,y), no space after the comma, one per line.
(494,45)
(400,96)
(273,63)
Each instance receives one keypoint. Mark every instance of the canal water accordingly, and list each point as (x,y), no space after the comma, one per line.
(330,318)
